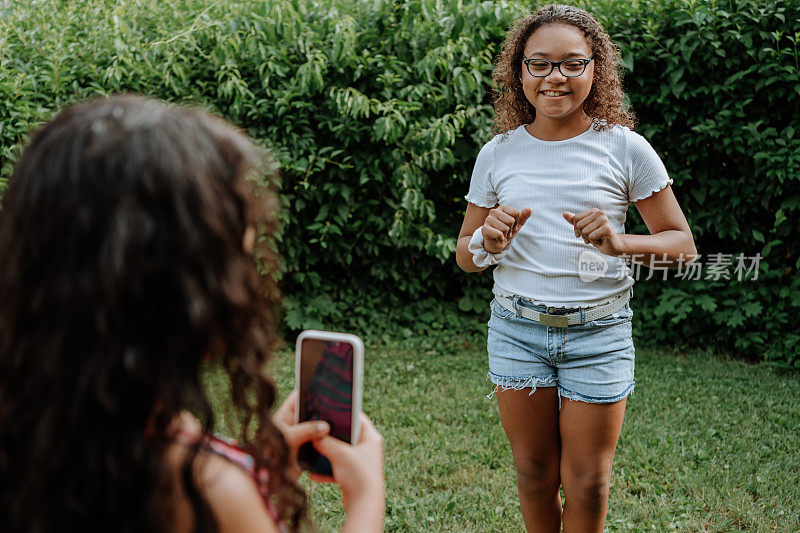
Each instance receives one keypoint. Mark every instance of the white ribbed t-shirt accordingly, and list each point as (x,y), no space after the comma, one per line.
(606,169)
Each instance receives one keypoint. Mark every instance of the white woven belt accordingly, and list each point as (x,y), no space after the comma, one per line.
(570,319)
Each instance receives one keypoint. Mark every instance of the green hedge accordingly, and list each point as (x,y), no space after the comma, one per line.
(716,86)
(376,110)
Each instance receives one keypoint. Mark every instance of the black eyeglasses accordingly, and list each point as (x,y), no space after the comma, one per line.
(541,68)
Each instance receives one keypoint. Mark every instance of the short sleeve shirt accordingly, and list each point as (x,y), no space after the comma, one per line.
(607,169)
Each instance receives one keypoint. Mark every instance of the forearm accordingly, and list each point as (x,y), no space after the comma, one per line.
(367,516)
(669,248)
(464,257)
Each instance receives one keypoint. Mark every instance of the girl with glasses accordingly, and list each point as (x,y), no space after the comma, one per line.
(547,205)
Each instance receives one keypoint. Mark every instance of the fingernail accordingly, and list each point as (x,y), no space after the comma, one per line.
(322,426)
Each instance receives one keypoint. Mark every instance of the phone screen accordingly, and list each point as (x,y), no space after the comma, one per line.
(326,393)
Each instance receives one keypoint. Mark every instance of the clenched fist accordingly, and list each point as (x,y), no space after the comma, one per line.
(595,229)
(501,226)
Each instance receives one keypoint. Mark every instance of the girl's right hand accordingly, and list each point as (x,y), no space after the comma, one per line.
(501,226)
(358,470)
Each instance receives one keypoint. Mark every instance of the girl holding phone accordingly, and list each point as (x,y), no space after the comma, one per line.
(547,204)
(127,236)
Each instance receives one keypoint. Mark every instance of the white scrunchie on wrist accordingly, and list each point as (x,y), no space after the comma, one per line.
(480,256)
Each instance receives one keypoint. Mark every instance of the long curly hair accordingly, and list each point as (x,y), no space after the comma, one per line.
(121,269)
(605,101)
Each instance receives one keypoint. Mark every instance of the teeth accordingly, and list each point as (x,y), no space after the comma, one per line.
(553,93)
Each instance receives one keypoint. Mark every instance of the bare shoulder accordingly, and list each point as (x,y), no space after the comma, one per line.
(229,491)
(232,495)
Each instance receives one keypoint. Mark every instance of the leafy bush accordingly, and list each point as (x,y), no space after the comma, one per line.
(715,86)
(376,110)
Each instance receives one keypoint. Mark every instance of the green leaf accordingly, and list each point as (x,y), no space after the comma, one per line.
(706,302)
(753,309)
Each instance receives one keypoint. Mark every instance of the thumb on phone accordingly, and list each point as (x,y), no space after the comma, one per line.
(303,432)
(331,447)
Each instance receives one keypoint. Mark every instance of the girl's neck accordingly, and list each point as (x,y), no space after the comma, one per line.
(551,129)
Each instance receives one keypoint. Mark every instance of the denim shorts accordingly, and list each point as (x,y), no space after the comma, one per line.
(590,362)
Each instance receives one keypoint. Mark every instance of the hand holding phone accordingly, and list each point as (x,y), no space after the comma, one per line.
(329,373)
(358,470)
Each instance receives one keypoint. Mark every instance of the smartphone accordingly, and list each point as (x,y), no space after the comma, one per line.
(329,371)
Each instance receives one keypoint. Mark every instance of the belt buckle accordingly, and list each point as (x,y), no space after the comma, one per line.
(556,321)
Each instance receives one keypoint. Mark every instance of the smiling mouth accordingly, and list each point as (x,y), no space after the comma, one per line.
(554,93)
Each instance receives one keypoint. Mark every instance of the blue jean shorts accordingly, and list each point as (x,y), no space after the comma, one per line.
(591,362)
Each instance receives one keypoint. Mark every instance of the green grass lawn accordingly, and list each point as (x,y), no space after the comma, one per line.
(708,444)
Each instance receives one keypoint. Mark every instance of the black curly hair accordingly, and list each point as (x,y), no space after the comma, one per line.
(121,269)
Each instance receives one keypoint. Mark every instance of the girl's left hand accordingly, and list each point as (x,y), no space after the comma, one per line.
(595,229)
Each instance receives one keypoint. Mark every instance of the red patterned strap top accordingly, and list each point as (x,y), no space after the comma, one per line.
(230,450)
